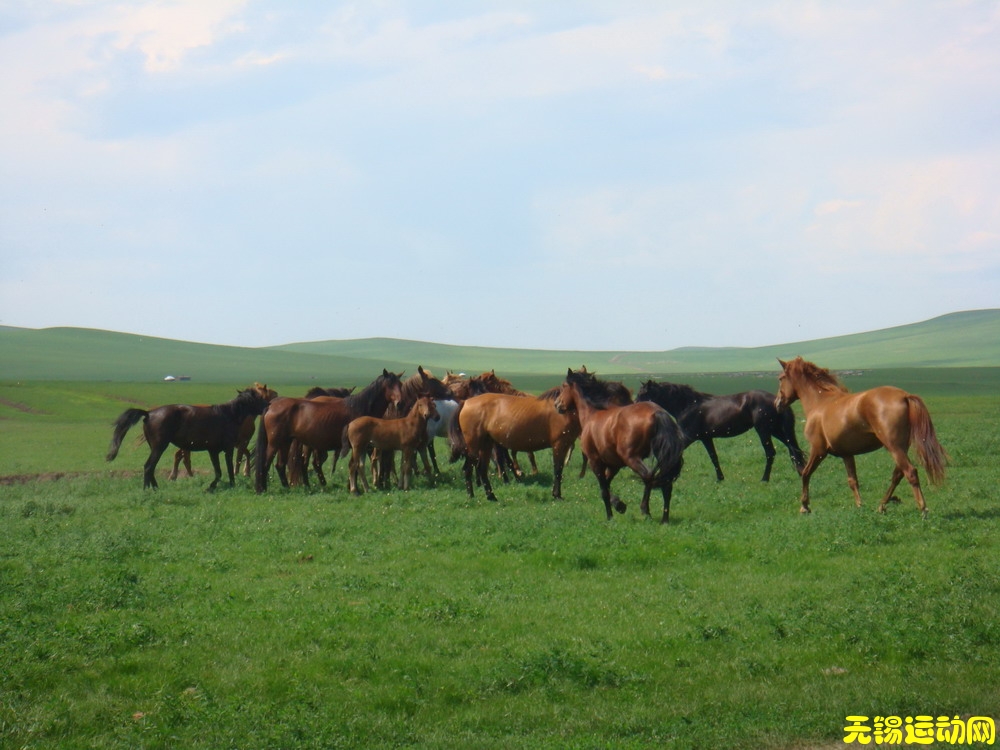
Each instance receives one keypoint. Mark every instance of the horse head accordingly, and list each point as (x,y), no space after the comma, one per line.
(788,392)
(392,386)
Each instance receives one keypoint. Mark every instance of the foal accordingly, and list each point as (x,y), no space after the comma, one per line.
(406,434)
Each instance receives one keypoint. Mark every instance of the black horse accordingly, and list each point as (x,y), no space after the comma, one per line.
(704,417)
(194,428)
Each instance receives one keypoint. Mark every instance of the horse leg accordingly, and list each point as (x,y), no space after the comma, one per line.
(604,476)
(769,454)
(433,455)
(815,459)
(214,455)
(178,457)
(905,468)
(531,460)
(710,447)
(483,468)
(558,461)
(667,489)
(467,472)
(852,478)
(229,467)
(149,468)
(407,464)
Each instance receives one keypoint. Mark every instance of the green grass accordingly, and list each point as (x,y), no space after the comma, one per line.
(180,618)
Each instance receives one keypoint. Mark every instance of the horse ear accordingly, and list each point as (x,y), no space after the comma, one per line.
(569,371)
(421,373)
(784,365)
(385,372)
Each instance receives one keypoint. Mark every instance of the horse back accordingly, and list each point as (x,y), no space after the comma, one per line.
(861,422)
(517,422)
(623,431)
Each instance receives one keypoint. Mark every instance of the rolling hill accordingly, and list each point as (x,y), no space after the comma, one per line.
(959,340)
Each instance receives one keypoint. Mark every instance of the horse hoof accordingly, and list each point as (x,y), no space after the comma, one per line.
(804,510)
(618,505)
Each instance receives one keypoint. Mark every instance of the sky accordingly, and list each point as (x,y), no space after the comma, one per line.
(588,175)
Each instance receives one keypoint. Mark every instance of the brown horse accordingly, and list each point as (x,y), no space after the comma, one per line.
(517,423)
(317,423)
(407,434)
(421,383)
(613,437)
(844,424)
(242,456)
(196,428)
(303,455)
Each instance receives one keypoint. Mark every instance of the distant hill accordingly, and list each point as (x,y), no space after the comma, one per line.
(958,340)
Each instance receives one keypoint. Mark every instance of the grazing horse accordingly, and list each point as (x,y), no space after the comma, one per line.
(242,457)
(527,423)
(317,423)
(704,417)
(195,428)
(844,424)
(406,434)
(613,437)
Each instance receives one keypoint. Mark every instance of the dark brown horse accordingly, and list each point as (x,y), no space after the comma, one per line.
(317,423)
(613,437)
(844,424)
(195,428)
(300,456)
(406,434)
(241,461)
(704,417)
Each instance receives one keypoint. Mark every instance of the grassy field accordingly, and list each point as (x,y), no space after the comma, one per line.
(180,618)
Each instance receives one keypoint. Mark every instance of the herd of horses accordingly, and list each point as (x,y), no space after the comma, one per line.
(488,422)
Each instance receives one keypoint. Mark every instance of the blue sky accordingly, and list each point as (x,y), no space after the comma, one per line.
(561,175)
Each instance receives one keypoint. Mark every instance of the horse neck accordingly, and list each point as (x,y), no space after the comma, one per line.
(584,409)
(811,394)
(370,402)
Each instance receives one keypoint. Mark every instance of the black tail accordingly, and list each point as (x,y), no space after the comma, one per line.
(456,440)
(260,470)
(667,448)
(123,424)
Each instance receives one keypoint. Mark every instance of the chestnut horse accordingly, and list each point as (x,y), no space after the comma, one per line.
(703,417)
(844,424)
(517,423)
(242,455)
(407,434)
(317,423)
(613,437)
(195,428)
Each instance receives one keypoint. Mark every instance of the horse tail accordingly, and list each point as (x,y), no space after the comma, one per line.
(667,448)
(123,424)
(456,440)
(931,453)
(260,470)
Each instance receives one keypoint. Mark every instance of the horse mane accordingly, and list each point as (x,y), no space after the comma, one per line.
(595,392)
(819,376)
(680,390)
(490,382)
